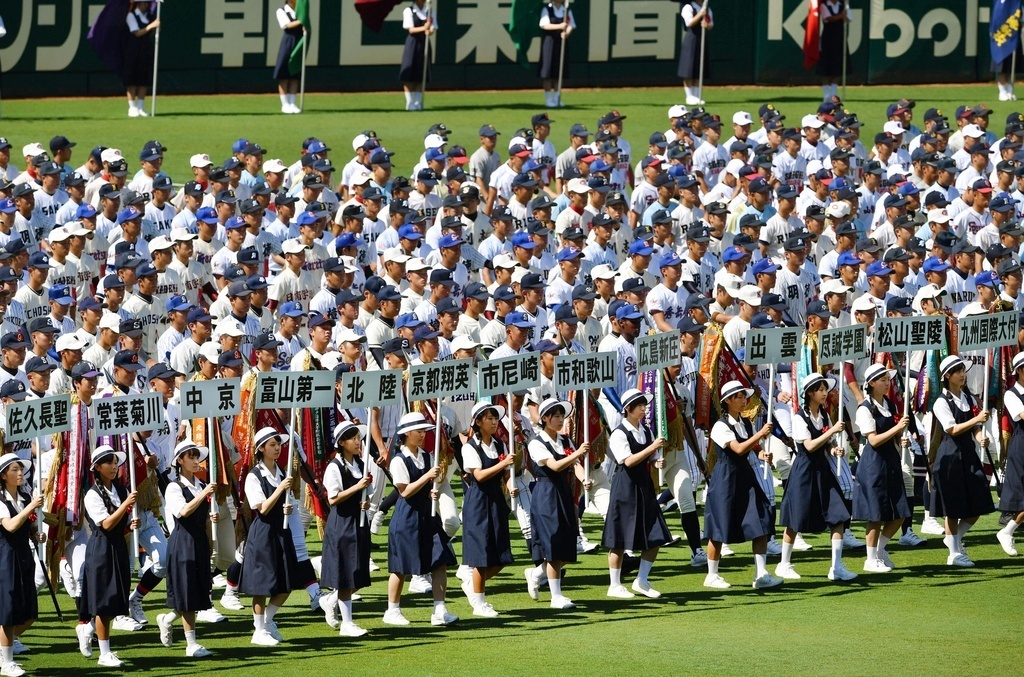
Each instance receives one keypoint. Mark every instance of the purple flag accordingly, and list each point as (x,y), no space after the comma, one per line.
(109,35)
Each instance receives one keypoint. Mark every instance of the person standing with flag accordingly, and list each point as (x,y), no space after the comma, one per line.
(1004,31)
(557,22)
(137,67)
(832,15)
(421,22)
(697,20)
(291,39)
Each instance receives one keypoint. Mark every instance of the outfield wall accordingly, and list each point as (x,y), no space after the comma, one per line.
(214,46)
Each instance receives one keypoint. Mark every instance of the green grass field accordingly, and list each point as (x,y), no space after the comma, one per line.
(188,125)
(923,618)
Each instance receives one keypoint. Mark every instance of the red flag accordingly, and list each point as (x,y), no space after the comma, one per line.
(374,12)
(812,46)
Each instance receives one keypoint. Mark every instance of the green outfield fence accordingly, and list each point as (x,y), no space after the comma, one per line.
(229,46)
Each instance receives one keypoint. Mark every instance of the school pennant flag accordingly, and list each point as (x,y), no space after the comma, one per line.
(812,42)
(301,15)
(1004,29)
(373,12)
(109,34)
(524,26)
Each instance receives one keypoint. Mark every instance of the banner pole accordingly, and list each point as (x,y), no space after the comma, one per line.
(769,410)
(211,438)
(156,59)
(302,73)
(366,460)
(38,474)
(511,446)
(561,59)
(1013,70)
(426,58)
(660,418)
(292,451)
(846,40)
(586,434)
(437,452)
(135,506)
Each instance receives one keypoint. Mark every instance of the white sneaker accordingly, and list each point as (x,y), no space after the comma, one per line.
(210,615)
(373,565)
(620,592)
(166,624)
(444,618)
(774,548)
(876,566)
(12,669)
(197,651)
(800,544)
(263,638)
(699,558)
(419,585)
(220,581)
(562,603)
(350,630)
(229,600)
(286,109)
(911,540)
(850,541)
(68,579)
(959,560)
(1006,541)
(766,581)
(726,550)
(840,573)
(1003,96)
(886,560)
(394,617)
(110,660)
(715,581)
(485,610)
(356,597)
(693,101)
(273,631)
(84,632)
(142,113)
(931,526)
(135,610)
(670,506)
(531,583)
(376,522)
(19,648)
(645,589)
(464,573)
(330,610)
(584,546)
(787,572)
(127,624)
(133,112)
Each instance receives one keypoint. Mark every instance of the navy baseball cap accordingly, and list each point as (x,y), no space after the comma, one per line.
(128,359)
(61,294)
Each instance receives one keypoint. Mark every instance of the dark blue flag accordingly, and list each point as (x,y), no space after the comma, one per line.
(1004,29)
(109,35)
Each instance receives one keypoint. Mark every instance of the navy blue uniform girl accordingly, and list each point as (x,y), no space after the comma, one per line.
(291,34)
(345,566)
(557,22)
(106,583)
(552,508)
(486,543)
(269,563)
(813,501)
(137,68)
(189,578)
(18,605)
(960,490)
(1012,498)
(634,519)
(420,24)
(879,495)
(417,542)
(737,508)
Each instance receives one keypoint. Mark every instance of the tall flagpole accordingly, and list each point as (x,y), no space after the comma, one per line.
(846,41)
(426,56)
(302,76)
(561,53)
(156,59)
(703,38)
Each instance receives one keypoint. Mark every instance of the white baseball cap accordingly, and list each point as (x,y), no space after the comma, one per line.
(293,247)
(504,261)
(463,342)
(231,329)
(359,178)
(834,286)
(893,127)
(742,117)
(812,121)
(350,264)
(58,234)
(812,167)
(358,141)
(182,235)
(973,131)
(393,255)
(433,141)
(200,160)
(273,166)
(730,282)
(111,155)
(210,351)
(161,242)
(518,274)
(111,321)
(676,111)
(578,186)
(734,167)
(70,342)
(417,263)
(347,335)
(603,272)
(835,210)
(938,216)
(76,229)
(863,304)
(750,294)
(33,149)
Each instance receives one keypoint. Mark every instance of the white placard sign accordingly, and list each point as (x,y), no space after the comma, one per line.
(37,418)
(843,343)
(981,332)
(504,375)
(772,346)
(295,389)
(585,371)
(216,397)
(128,413)
(380,388)
(657,351)
(903,334)
(441,379)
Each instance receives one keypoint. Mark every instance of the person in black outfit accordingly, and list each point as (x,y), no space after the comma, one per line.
(833,16)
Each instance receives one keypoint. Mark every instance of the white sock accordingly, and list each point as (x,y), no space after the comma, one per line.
(259,621)
(645,570)
(826,91)
(408,99)
(291,99)
(190,637)
(140,103)
(478,599)
(394,606)
(104,646)
(837,552)
(173,616)
(538,572)
(7,652)
(1010,527)
(346,611)
(761,563)
(787,553)
(958,541)
(272,610)
(883,541)
(712,567)
(615,575)
(332,600)
(284,99)
(313,589)
(556,586)
(439,607)
(950,541)
(872,553)
(962,530)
